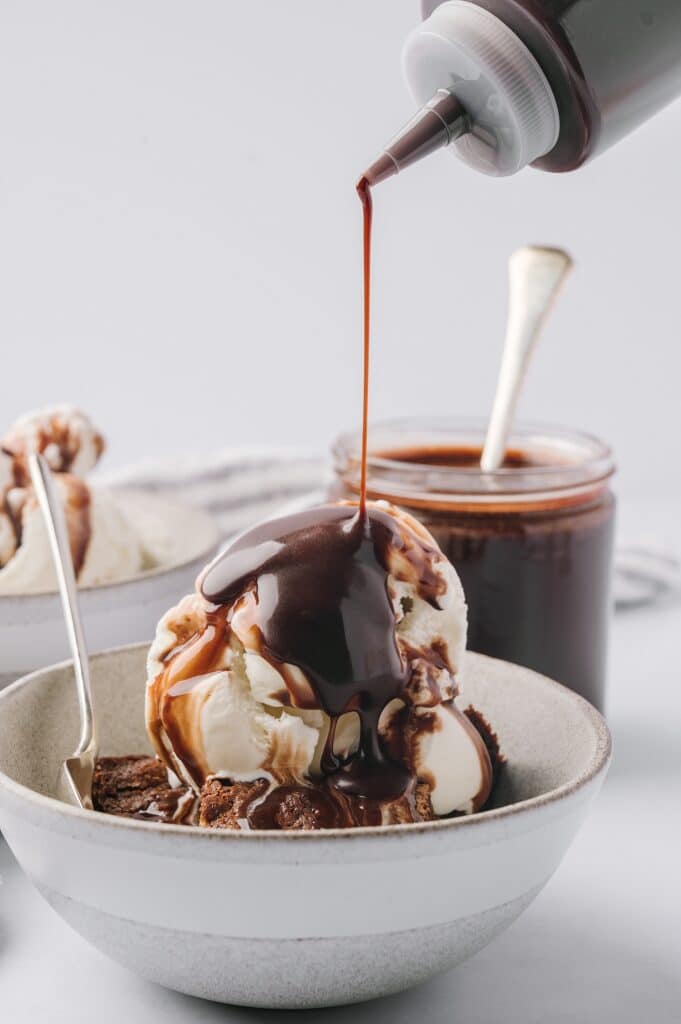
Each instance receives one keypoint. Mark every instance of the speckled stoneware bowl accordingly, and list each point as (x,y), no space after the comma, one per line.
(295,919)
(32,631)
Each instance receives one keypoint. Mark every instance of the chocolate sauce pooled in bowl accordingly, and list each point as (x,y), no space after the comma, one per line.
(323,605)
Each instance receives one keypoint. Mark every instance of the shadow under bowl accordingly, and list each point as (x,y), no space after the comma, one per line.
(294,919)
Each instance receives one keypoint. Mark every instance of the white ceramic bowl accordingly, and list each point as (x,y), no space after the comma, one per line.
(294,919)
(32,629)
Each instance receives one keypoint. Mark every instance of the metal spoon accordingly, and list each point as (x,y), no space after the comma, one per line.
(75,778)
(536,275)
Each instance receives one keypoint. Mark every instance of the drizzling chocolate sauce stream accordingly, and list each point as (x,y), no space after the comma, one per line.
(364,193)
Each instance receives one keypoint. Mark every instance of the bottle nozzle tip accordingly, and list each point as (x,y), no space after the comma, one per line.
(384,167)
(439,122)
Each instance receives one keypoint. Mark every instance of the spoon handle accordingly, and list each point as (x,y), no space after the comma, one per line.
(51,508)
(535,274)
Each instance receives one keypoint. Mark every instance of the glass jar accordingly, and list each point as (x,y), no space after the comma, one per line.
(531,542)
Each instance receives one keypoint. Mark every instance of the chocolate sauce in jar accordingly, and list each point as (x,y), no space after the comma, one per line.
(537,585)
(531,543)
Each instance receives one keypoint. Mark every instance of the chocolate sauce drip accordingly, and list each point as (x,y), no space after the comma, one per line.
(364,193)
(195,656)
(77,508)
(322,604)
(14,515)
(13,512)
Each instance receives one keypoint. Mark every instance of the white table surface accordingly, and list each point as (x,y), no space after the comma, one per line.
(602,943)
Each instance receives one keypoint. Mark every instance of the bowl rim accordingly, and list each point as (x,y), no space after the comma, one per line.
(207,551)
(596,767)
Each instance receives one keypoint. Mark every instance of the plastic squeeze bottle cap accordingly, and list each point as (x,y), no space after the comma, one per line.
(481,93)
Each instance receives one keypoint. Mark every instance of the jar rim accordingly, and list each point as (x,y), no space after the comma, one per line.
(568,462)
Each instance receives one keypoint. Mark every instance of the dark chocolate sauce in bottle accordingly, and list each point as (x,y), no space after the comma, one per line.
(611,65)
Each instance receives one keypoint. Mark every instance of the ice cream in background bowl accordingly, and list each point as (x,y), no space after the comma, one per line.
(130,549)
(105,543)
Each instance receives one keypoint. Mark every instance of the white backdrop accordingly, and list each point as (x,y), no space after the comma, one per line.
(180,239)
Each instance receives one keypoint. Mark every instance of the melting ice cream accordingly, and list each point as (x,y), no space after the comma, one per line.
(317,667)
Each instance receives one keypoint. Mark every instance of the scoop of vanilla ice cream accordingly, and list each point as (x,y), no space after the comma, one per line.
(115,550)
(239,721)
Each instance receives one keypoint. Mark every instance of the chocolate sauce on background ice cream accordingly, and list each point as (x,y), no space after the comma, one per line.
(105,545)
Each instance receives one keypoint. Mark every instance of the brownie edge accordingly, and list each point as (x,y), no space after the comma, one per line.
(137,786)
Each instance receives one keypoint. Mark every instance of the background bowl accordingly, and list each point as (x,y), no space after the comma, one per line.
(32,631)
(295,919)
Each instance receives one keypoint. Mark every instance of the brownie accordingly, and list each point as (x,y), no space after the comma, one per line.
(297,810)
(224,804)
(137,787)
